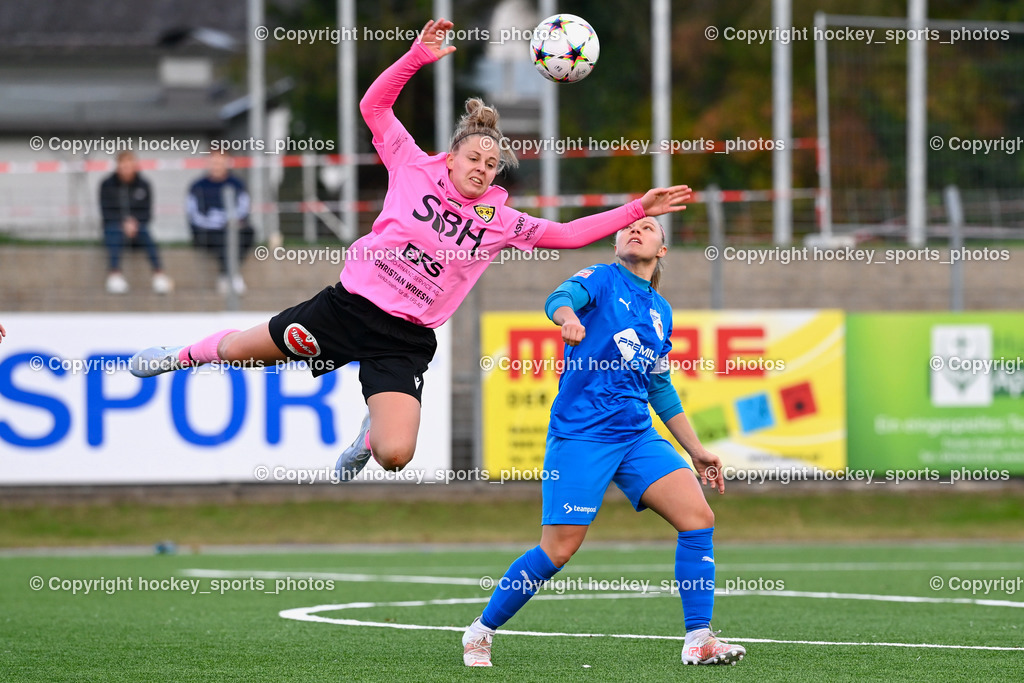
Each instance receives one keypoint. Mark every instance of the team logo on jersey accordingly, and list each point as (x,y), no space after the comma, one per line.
(449,223)
(300,342)
(485,211)
(628,343)
(658,327)
(630,347)
(586,272)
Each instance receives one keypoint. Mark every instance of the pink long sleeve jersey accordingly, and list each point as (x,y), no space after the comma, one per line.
(430,244)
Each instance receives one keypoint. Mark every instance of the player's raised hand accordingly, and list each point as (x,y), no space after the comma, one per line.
(660,200)
(433,34)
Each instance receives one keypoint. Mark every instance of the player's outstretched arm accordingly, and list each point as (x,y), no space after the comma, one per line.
(382,93)
(583,231)
(707,464)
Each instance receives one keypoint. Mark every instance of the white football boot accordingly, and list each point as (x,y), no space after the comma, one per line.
(476,644)
(702,647)
(354,458)
(156,360)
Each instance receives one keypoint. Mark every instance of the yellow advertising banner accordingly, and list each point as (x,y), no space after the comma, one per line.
(763,390)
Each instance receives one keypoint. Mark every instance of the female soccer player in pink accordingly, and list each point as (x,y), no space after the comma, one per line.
(442,224)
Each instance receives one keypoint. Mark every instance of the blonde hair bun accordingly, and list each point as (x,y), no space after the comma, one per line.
(481,119)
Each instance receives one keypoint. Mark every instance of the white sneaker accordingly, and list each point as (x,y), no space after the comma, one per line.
(162,284)
(238,284)
(156,360)
(223,284)
(476,645)
(116,284)
(702,647)
(354,458)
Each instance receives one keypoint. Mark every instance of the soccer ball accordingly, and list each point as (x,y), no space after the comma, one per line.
(564,48)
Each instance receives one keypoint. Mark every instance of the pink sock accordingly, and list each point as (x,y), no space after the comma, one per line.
(366,440)
(204,350)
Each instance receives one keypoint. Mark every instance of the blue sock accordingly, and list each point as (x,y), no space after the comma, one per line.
(695,572)
(520,582)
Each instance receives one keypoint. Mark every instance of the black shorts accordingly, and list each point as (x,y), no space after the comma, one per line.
(336,327)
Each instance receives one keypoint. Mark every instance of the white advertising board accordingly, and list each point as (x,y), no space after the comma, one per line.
(71,413)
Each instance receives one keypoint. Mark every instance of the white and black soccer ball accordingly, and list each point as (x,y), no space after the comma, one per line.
(564,48)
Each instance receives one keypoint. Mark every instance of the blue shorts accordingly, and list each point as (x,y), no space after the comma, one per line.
(578,473)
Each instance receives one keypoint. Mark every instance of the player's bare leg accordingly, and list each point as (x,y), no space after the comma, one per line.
(253,346)
(388,433)
(678,498)
(561,541)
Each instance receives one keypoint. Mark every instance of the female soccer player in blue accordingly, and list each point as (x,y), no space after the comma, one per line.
(617,330)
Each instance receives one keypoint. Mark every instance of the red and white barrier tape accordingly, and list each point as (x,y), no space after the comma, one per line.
(370,205)
(200,163)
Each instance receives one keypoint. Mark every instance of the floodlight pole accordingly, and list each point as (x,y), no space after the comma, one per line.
(917,88)
(257,104)
(782,126)
(549,180)
(443,79)
(347,119)
(661,100)
(824,204)
(955,213)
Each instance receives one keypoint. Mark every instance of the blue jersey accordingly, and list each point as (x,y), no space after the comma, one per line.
(602,394)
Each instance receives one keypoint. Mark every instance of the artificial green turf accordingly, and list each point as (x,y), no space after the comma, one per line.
(52,635)
(840,514)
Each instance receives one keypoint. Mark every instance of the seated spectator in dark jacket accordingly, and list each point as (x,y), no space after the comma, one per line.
(208,217)
(126,202)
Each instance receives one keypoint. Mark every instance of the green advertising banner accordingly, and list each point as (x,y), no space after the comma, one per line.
(936,392)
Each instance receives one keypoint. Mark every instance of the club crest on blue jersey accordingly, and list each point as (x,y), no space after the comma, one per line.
(658,327)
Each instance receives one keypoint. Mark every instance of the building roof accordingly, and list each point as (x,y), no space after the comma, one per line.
(93,67)
(74,25)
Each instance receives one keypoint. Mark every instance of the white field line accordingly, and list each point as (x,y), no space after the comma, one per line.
(666,567)
(462,581)
(351,578)
(310,614)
